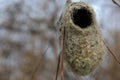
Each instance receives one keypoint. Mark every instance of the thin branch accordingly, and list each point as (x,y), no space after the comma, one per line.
(114,56)
(62,64)
(116,3)
(61,58)
(37,65)
(58,66)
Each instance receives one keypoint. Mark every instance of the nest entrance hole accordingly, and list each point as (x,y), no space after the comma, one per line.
(82,17)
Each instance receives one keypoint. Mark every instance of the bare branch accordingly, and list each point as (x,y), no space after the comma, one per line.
(114,56)
(116,3)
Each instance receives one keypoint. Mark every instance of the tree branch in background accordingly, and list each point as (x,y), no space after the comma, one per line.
(114,56)
(116,3)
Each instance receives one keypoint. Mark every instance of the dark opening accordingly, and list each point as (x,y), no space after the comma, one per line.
(82,17)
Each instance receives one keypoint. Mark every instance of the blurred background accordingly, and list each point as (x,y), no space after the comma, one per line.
(29,46)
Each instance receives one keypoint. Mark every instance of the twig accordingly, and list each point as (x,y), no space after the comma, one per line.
(62,64)
(37,65)
(114,56)
(116,3)
(58,66)
(61,58)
